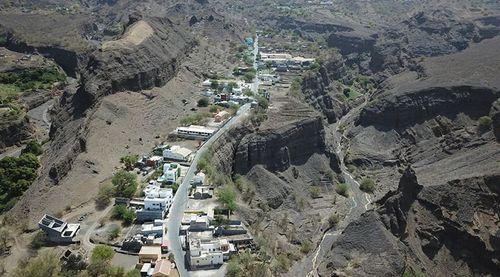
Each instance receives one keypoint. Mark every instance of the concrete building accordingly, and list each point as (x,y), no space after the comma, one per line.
(199,223)
(177,153)
(57,230)
(194,132)
(198,179)
(149,254)
(156,203)
(164,268)
(152,229)
(208,253)
(171,172)
(203,192)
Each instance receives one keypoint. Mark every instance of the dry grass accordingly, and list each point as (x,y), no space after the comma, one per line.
(135,35)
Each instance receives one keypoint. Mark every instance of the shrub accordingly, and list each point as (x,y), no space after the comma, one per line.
(283,263)
(39,240)
(194,119)
(305,247)
(102,253)
(214,84)
(129,161)
(203,102)
(4,241)
(214,108)
(125,183)
(333,220)
(484,122)
(47,264)
(367,185)
(263,102)
(32,147)
(315,192)
(342,189)
(296,86)
(99,261)
(114,233)
(104,195)
(249,76)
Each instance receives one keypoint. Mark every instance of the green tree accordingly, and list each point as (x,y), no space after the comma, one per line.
(129,161)
(214,84)
(227,196)
(100,259)
(249,76)
(125,183)
(123,213)
(28,160)
(203,102)
(263,102)
(45,265)
(104,195)
(367,185)
(33,147)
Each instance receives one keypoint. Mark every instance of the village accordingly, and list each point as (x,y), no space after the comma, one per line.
(169,218)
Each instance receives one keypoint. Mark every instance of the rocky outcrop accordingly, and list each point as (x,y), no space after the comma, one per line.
(226,146)
(426,227)
(320,90)
(68,60)
(277,149)
(400,110)
(350,42)
(15,131)
(152,62)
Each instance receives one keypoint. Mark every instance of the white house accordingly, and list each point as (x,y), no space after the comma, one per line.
(156,203)
(206,253)
(171,171)
(177,153)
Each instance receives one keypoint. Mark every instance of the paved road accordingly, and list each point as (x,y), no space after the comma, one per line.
(256,81)
(181,197)
(360,201)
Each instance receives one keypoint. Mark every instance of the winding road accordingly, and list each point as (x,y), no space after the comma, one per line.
(360,201)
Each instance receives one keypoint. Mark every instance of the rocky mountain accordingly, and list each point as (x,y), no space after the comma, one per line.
(432,229)
(148,52)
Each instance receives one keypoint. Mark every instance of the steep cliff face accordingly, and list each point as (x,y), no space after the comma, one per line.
(399,111)
(320,90)
(137,61)
(226,146)
(127,66)
(425,228)
(277,149)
